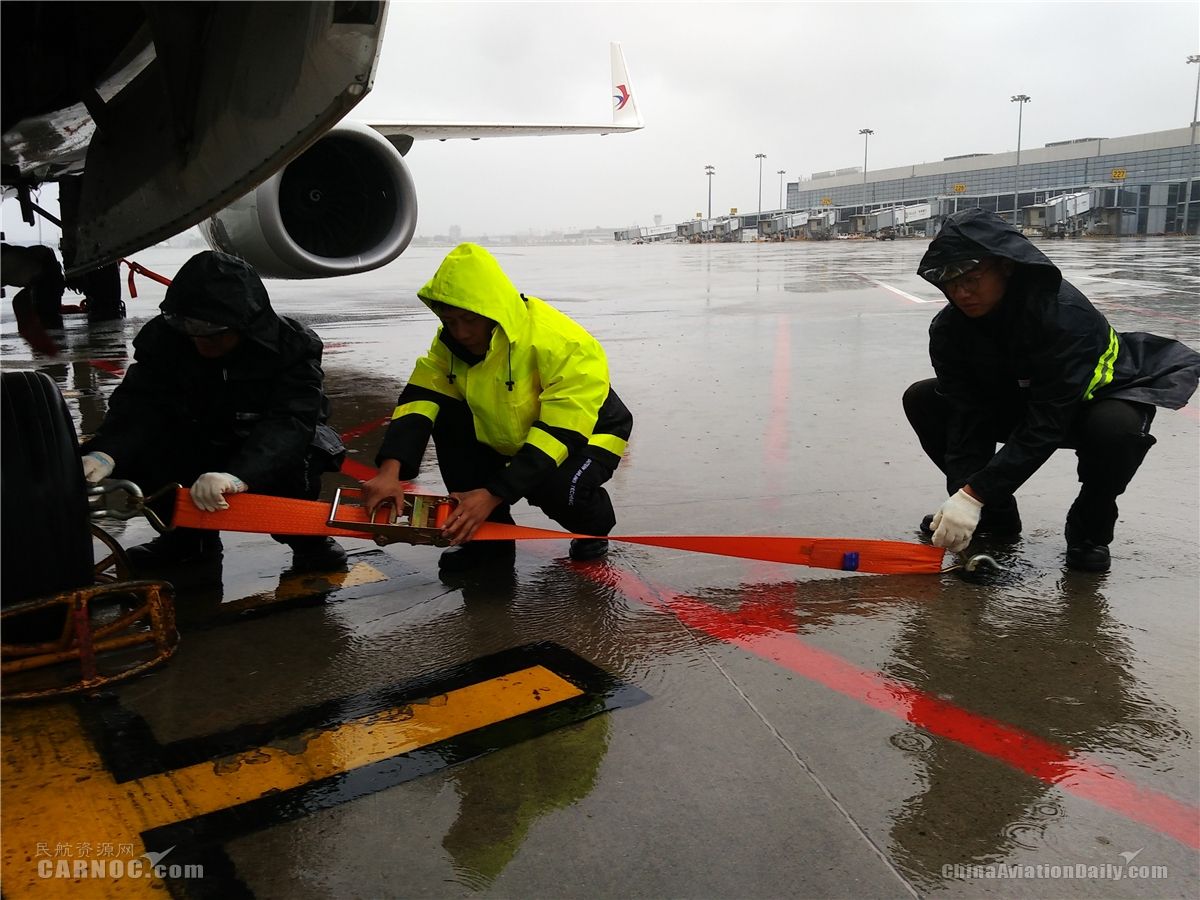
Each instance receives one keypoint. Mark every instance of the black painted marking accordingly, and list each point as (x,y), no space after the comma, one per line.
(129,749)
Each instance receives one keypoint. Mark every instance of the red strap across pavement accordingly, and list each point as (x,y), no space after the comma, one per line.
(279,515)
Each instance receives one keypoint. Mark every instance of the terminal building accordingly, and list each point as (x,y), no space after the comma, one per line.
(1139,184)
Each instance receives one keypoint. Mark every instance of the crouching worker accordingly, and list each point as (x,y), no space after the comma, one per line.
(517,398)
(226,396)
(1024,359)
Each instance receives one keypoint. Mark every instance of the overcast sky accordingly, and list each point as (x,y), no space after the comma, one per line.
(719,82)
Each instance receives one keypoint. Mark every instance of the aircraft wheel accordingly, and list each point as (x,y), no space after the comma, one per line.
(45,532)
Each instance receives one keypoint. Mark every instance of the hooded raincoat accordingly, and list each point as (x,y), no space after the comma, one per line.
(538,395)
(259,411)
(1044,349)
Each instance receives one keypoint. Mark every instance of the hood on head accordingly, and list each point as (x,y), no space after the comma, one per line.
(222,290)
(973,234)
(470,278)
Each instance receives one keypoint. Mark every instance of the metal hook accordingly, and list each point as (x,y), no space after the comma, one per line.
(976,566)
(115,498)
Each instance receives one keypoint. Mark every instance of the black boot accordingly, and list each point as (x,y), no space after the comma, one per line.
(476,554)
(316,554)
(1114,437)
(1084,556)
(1089,531)
(588,549)
(1001,520)
(180,547)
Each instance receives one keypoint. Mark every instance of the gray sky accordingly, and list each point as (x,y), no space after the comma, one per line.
(719,82)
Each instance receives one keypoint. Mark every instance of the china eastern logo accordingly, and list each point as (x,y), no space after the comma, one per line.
(621,97)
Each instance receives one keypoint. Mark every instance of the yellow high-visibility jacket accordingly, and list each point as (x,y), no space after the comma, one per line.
(539,394)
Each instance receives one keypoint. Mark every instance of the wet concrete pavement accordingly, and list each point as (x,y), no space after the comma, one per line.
(753,730)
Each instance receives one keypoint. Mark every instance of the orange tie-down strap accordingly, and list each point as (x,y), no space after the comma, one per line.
(280,515)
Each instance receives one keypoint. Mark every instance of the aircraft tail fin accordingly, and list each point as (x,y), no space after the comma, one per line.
(625,109)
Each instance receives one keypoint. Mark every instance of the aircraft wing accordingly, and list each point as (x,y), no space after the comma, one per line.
(446,131)
(625,118)
(230,116)
(349,203)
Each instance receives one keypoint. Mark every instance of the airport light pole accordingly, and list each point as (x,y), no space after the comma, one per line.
(709,170)
(866,133)
(1020,100)
(760,157)
(1188,199)
(782,172)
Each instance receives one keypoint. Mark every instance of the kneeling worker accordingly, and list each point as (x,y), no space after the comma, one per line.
(1023,358)
(517,398)
(226,396)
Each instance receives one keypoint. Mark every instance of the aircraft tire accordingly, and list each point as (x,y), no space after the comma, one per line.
(45,532)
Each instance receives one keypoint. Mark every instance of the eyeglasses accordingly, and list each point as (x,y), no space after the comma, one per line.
(941,274)
(968,281)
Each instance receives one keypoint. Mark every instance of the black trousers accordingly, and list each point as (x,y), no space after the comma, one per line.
(1110,438)
(573,495)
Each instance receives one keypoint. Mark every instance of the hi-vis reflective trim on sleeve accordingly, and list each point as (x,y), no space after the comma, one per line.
(548,444)
(609,442)
(1104,368)
(426,408)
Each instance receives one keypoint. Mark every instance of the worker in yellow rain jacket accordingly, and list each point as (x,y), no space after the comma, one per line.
(517,398)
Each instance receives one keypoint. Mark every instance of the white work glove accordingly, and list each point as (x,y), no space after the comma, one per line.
(955,523)
(97,466)
(208,490)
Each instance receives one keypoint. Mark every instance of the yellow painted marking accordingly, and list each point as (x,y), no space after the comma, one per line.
(292,587)
(360,573)
(57,791)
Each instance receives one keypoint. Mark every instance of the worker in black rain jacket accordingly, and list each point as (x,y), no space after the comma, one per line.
(517,398)
(1023,358)
(226,396)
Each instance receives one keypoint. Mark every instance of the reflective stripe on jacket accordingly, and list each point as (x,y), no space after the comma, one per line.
(1045,348)
(540,393)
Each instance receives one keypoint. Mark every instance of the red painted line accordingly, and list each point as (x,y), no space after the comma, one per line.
(1051,763)
(775,450)
(357,470)
(110,368)
(352,467)
(365,428)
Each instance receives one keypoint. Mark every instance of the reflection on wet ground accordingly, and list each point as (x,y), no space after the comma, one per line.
(801,732)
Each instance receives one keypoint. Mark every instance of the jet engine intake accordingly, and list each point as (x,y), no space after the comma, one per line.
(347,204)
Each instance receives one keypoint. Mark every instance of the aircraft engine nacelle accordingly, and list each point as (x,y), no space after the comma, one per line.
(347,204)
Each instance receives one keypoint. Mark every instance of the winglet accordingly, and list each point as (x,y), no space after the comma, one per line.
(625,110)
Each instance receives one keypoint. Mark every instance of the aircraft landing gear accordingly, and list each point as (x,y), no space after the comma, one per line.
(70,620)
(101,289)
